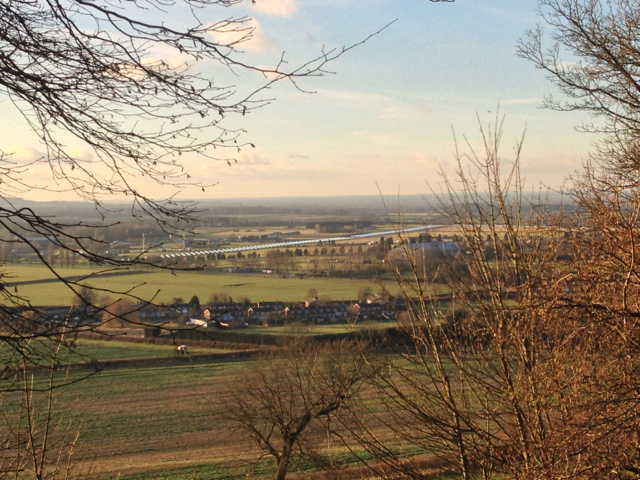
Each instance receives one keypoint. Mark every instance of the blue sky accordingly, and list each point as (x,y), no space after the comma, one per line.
(385,118)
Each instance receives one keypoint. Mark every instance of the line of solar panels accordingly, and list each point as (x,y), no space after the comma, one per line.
(295,243)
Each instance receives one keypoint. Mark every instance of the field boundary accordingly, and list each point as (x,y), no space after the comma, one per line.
(168,340)
(141,362)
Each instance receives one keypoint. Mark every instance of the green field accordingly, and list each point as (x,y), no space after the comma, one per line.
(26,273)
(329,329)
(163,287)
(106,351)
(161,422)
(114,350)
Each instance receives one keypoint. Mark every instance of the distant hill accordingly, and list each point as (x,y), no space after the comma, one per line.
(336,206)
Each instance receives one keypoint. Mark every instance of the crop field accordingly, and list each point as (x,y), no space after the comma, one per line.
(161,422)
(163,287)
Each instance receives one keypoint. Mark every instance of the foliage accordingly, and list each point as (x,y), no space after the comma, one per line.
(195,303)
(364,293)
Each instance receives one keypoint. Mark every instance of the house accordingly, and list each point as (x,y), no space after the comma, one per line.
(327,313)
(372,310)
(230,313)
(262,314)
(157,313)
(204,323)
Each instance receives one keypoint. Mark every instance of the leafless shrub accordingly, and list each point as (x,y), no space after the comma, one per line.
(38,434)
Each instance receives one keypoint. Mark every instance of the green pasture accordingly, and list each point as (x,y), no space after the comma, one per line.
(329,329)
(106,351)
(25,273)
(162,421)
(83,351)
(163,287)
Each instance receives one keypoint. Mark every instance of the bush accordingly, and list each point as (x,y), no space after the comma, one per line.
(152,332)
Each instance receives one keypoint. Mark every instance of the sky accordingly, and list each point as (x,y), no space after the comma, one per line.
(384,120)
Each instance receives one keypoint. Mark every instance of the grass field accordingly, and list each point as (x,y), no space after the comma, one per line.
(114,350)
(107,351)
(25,273)
(301,329)
(163,287)
(161,422)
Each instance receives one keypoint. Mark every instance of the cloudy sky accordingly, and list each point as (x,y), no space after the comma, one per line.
(385,118)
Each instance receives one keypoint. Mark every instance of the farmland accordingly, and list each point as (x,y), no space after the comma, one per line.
(150,414)
(105,351)
(114,350)
(161,422)
(163,287)
(329,329)
(26,273)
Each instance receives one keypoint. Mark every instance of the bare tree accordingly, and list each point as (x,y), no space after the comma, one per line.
(475,387)
(604,79)
(88,68)
(132,86)
(38,436)
(315,261)
(284,399)
(99,76)
(364,293)
(531,371)
(122,312)
(598,297)
(331,261)
(85,297)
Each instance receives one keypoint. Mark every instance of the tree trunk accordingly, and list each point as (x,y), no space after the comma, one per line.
(283,466)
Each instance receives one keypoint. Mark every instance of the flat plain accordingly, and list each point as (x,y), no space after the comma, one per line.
(162,287)
(12,273)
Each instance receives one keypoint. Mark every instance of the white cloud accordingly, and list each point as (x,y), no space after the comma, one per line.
(25,154)
(171,56)
(427,160)
(386,107)
(276,8)
(252,158)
